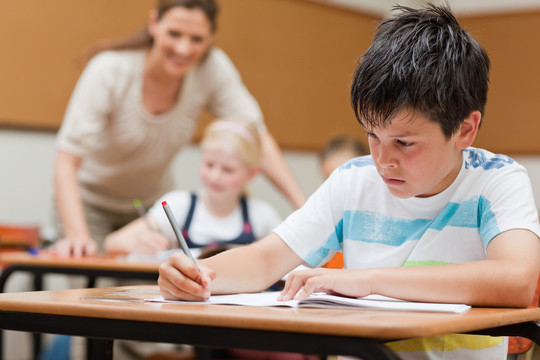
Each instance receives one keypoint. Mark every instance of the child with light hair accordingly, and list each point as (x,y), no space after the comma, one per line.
(220,214)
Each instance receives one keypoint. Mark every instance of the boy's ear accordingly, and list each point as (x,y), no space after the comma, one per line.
(468,130)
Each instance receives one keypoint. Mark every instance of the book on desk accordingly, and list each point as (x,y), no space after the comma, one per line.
(322,300)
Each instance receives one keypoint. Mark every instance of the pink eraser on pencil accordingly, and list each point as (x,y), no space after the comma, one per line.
(163,203)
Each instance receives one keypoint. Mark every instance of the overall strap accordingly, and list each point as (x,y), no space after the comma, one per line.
(245,216)
(189,217)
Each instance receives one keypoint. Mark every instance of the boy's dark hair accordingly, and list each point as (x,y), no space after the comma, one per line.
(421,61)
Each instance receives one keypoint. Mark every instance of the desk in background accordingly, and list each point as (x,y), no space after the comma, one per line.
(105,314)
(91,268)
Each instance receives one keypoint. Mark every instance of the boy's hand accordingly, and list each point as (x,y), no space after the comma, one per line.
(179,279)
(300,284)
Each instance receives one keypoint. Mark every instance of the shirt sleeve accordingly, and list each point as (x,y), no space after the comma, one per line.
(508,203)
(89,107)
(230,97)
(314,232)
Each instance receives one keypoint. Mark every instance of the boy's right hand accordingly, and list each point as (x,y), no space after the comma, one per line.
(179,279)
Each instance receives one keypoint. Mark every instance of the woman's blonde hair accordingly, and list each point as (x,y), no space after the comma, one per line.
(235,136)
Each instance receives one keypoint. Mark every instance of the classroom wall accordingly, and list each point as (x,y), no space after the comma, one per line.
(291,55)
(296,56)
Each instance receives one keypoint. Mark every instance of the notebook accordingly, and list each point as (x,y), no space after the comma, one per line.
(322,300)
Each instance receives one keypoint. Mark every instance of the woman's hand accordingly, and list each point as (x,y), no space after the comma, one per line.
(76,247)
(180,279)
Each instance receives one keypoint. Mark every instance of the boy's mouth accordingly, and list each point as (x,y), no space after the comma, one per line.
(392,182)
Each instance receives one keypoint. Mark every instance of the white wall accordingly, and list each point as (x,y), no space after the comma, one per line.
(26,172)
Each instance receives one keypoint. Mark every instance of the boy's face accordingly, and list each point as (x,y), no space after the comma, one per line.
(413,157)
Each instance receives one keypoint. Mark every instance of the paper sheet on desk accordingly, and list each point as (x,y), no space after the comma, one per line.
(321,300)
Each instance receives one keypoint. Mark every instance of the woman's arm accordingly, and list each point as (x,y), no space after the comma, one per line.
(278,172)
(77,240)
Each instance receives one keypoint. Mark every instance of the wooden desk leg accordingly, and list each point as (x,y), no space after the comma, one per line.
(99,349)
(203,353)
(36,337)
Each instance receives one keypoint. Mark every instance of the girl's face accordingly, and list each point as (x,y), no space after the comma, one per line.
(224,175)
(181,38)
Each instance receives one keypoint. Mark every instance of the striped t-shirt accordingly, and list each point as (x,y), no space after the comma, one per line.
(354,212)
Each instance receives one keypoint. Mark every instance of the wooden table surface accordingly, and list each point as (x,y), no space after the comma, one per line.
(105,262)
(125,303)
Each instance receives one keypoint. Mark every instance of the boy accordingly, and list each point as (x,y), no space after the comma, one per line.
(338,150)
(426,217)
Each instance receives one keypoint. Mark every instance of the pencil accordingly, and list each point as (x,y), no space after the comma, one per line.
(140,209)
(178,233)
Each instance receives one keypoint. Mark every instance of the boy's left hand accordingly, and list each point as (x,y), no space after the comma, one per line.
(352,283)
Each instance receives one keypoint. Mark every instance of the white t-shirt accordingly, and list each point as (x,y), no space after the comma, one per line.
(126,151)
(354,212)
(206,228)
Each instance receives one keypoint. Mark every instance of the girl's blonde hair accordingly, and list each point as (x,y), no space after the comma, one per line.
(235,136)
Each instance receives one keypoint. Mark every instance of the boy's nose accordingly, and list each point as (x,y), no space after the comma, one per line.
(385,158)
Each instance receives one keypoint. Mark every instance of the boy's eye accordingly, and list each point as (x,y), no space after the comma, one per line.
(405,143)
(174,33)
(371,135)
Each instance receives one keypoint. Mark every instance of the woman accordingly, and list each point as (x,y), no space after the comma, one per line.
(132,109)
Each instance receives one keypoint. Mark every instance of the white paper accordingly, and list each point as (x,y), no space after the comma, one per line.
(321,300)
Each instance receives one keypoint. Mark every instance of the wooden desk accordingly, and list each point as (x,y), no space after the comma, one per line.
(326,331)
(92,268)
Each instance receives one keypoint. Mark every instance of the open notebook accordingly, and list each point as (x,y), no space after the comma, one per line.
(321,300)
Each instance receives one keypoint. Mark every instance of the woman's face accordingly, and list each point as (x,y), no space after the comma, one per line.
(181,38)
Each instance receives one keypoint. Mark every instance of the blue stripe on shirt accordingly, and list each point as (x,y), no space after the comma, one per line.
(372,227)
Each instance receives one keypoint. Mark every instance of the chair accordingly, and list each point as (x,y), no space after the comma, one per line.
(19,236)
(519,345)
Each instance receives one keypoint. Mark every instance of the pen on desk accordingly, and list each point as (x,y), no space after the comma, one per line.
(140,209)
(178,233)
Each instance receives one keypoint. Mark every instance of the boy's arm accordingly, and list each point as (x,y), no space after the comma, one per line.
(248,268)
(508,277)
